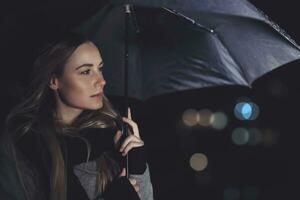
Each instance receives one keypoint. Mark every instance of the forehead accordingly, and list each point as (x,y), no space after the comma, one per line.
(85,53)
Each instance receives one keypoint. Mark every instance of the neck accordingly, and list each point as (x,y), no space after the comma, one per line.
(66,114)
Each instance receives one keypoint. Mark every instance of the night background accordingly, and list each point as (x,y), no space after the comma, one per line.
(198,148)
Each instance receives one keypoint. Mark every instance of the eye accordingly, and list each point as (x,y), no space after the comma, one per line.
(86,72)
(101,69)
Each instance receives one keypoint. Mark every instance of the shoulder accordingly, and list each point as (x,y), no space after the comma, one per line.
(30,141)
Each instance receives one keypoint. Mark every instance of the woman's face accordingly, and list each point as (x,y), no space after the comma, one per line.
(81,85)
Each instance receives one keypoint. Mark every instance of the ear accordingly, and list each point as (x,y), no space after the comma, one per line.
(53,83)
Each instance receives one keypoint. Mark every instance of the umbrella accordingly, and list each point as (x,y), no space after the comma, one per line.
(163,46)
(182,45)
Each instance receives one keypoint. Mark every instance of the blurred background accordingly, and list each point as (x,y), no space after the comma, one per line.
(225,143)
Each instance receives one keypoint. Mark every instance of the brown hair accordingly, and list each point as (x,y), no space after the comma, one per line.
(37,113)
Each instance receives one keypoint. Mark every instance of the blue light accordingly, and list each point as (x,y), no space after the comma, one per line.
(246,110)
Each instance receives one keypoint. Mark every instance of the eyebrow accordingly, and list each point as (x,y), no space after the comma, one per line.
(88,65)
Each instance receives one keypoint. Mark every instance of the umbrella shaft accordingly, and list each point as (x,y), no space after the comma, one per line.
(127,18)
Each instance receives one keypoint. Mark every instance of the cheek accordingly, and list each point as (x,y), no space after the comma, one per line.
(76,91)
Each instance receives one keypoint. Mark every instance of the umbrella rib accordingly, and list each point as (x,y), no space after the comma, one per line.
(189,19)
(233,58)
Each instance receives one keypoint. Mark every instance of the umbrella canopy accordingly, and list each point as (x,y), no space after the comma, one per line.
(200,44)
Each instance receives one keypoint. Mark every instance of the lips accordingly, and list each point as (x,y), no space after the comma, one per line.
(97,95)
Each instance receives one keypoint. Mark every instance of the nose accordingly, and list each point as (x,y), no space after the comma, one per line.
(100,81)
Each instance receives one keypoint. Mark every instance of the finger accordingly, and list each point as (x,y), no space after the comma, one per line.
(132,181)
(133,125)
(129,121)
(134,184)
(128,140)
(129,113)
(130,146)
(136,188)
(123,173)
(131,138)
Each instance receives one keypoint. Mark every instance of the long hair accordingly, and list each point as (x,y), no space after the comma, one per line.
(36,113)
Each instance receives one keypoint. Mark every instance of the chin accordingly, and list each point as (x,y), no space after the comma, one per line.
(96,107)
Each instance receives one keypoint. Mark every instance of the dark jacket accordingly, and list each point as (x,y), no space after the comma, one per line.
(82,173)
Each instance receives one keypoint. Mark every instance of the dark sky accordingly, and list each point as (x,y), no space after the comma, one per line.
(71,12)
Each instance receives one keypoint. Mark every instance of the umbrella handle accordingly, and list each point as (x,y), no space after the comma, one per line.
(125,134)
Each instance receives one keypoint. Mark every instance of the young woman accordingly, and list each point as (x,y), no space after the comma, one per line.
(65,138)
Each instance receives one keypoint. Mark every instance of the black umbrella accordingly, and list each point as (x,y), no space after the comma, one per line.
(203,43)
(158,47)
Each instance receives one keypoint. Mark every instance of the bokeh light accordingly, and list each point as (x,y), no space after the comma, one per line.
(198,161)
(240,136)
(205,118)
(246,110)
(191,117)
(219,120)
(270,137)
(255,136)
(255,111)
(250,193)
(231,194)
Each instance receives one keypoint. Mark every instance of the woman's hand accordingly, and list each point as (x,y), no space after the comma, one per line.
(133,140)
(131,180)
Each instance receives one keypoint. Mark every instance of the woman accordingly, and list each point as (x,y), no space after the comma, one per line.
(65,137)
